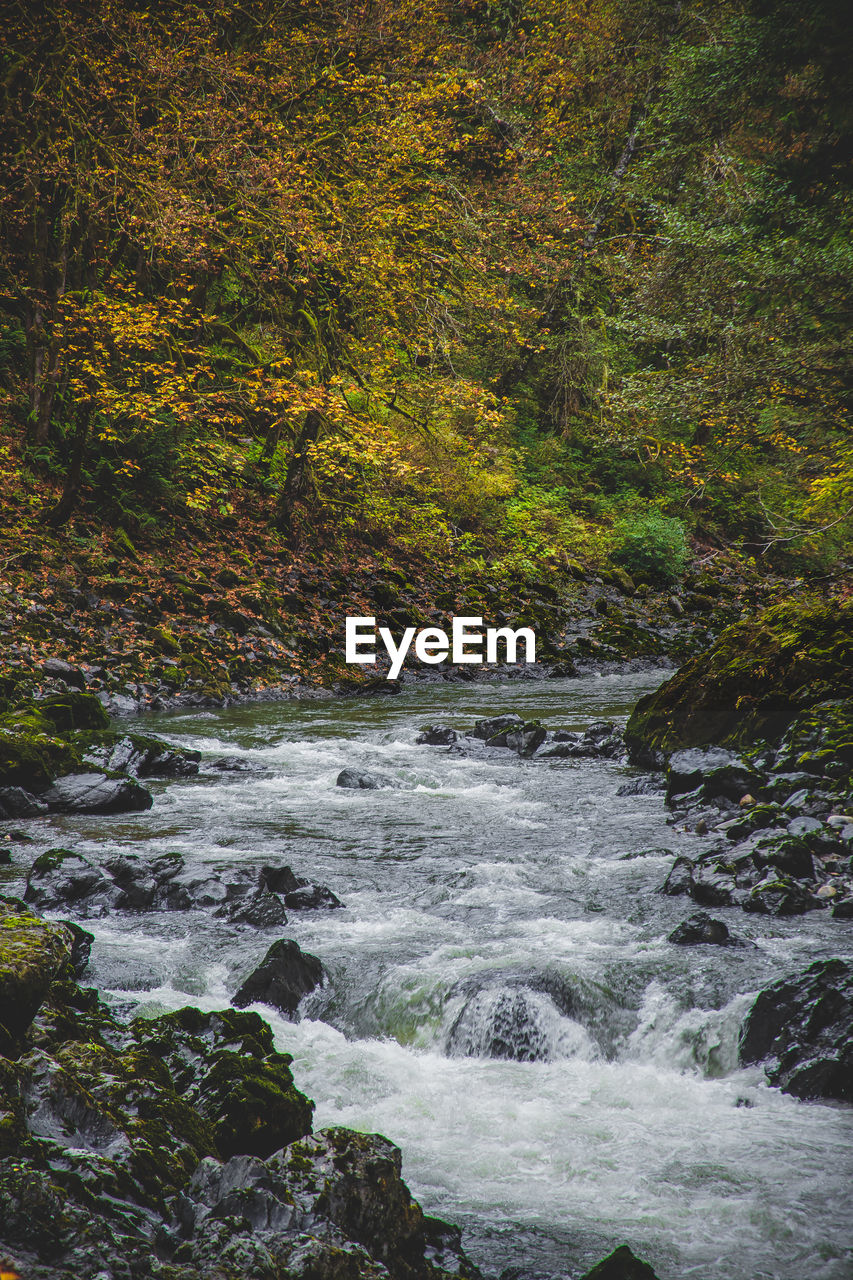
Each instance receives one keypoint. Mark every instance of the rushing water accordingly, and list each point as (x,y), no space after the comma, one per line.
(490,907)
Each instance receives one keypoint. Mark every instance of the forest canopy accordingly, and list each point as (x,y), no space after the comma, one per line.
(489,280)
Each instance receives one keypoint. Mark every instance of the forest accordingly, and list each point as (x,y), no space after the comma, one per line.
(506,284)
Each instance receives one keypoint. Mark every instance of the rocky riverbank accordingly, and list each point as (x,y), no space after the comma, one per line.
(755,743)
(178,1147)
(248,616)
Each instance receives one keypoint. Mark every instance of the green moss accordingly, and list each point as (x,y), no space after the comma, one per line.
(165,641)
(753,683)
(73,710)
(33,954)
(51,859)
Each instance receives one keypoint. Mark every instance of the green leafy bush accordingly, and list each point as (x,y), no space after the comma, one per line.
(651,546)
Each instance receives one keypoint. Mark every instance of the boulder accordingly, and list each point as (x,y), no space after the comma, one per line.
(283,977)
(760,675)
(802,1029)
(487,729)
(181,1138)
(357,780)
(622,1264)
(262,909)
(16,802)
(56,669)
(31,753)
(650,785)
(679,878)
(437,735)
(97,793)
(527,739)
(135,754)
(700,929)
(33,954)
(713,770)
(298,894)
(61,878)
(707,887)
(331,1206)
(779,895)
(72,710)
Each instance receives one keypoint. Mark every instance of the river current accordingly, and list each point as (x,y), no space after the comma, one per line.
(510,903)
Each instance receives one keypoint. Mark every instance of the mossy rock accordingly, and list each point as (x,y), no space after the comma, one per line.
(73,710)
(622,1264)
(759,676)
(226,1065)
(165,641)
(33,954)
(31,755)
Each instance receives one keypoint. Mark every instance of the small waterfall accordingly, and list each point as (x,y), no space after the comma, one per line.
(519,1024)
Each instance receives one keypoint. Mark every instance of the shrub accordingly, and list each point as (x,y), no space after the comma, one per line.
(651,546)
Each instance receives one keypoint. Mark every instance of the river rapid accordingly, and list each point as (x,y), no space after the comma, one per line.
(510,903)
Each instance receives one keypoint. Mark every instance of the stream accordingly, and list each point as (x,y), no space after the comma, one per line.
(490,907)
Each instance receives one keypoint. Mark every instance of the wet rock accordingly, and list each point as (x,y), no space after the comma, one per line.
(802,1029)
(81,947)
(298,894)
(786,854)
(487,729)
(527,739)
(437,735)
(70,711)
(760,676)
(708,887)
(622,1264)
(781,896)
(328,1207)
(376,687)
(714,771)
(357,780)
(804,826)
(645,786)
(283,977)
(231,764)
(679,879)
(61,877)
(565,669)
(33,954)
(517,1022)
(97,793)
(262,909)
(601,740)
(56,669)
(135,754)
(31,753)
(701,929)
(16,802)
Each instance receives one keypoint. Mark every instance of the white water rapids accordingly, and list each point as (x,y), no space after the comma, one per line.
(489,908)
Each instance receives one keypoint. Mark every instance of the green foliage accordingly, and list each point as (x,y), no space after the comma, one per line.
(651,546)
(476,277)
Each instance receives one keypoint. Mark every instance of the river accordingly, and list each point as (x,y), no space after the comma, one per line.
(492,899)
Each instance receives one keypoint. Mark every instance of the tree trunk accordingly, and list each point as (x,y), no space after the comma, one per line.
(297,479)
